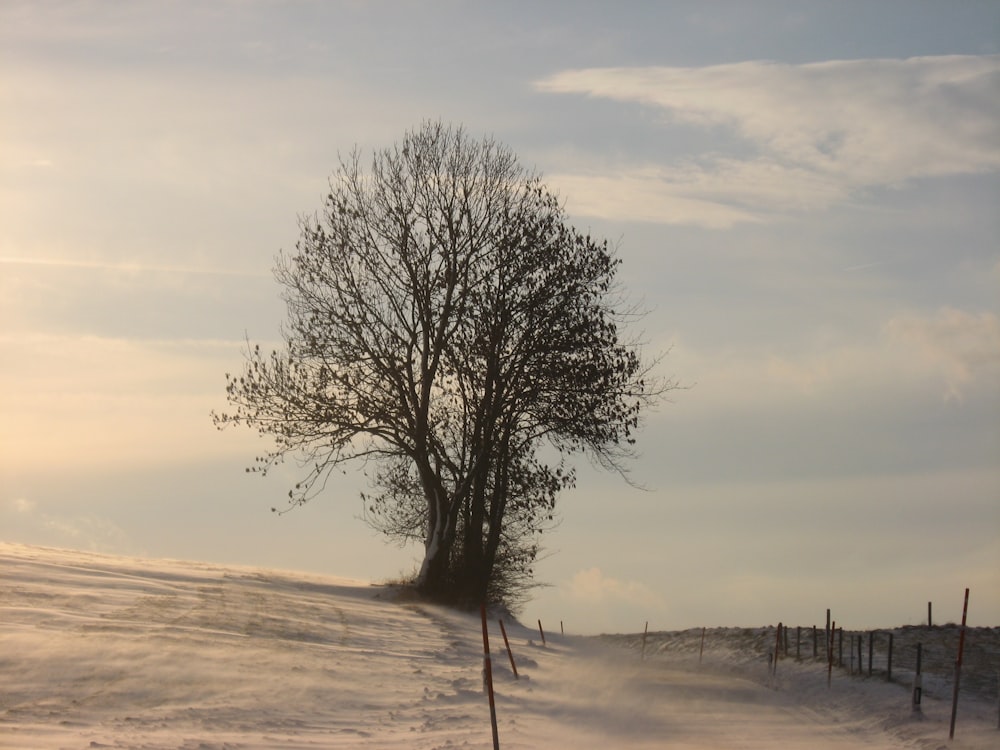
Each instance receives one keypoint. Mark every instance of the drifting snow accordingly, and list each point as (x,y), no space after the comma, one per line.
(109,652)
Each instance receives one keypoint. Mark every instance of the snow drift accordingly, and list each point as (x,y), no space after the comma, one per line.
(110,652)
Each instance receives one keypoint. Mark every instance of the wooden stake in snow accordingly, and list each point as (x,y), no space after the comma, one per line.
(777,646)
(958,667)
(488,674)
(541,632)
(829,655)
(827,634)
(701,650)
(888,668)
(510,654)
(642,654)
(871,651)
(918,681)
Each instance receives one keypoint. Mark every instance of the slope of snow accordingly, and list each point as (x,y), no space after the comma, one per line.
(110,652)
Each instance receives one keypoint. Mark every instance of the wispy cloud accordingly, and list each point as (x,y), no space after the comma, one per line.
(592,586)
(97,402)
(964,347)
(79,531)
(99,265)
(808,136)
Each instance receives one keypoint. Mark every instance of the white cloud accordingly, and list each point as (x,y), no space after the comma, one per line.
(648,194)
(811,135)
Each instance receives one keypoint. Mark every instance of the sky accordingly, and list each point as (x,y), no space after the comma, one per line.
(803,196)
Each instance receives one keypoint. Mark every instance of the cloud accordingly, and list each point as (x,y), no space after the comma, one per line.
(88,531)
(647,194)
(809,136)
(591,586)
(963,347)
(96,402)
(905,354)
(131,268)
(22,505)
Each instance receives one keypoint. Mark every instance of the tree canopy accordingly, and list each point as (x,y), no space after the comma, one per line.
(447,325)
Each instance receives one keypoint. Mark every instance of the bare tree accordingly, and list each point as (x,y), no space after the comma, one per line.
(445,323)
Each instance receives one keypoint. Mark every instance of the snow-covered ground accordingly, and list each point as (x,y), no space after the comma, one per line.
(99,651)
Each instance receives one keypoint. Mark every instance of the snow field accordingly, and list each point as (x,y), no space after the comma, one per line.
(109,652)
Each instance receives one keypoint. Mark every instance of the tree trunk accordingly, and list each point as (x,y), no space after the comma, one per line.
(435,571)
(498,506)
(472,544)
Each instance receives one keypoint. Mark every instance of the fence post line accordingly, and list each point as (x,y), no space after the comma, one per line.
(488,674)
(510,654)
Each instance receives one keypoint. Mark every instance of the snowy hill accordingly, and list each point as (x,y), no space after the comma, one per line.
(110,652)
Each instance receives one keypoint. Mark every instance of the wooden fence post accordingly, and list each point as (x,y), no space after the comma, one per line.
(958,667)
(829,655)
(777,647)
(541,632)
(827,634)
(645,632)
(840,649)
(510,654)
(917,681)
(488,674)
(798,643)
(701,650)
(888,674)
(871,650)
(815,644)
